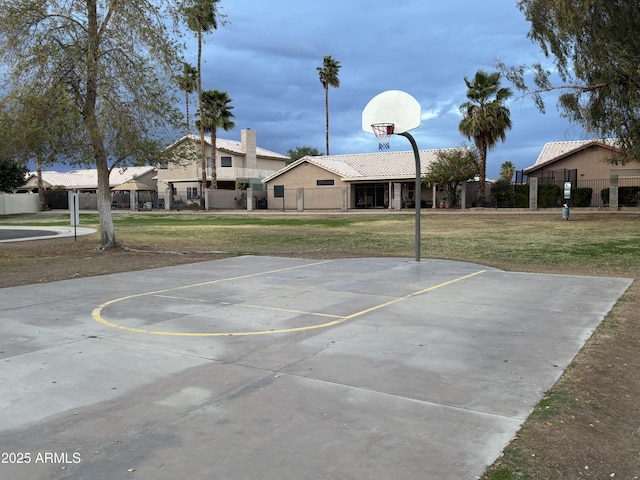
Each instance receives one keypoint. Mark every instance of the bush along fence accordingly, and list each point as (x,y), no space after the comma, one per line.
(587,193)
(627,196)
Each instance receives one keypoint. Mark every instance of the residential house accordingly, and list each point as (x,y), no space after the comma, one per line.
(236,162)
(132,187)
(86,181)
(585,164)
(352,181)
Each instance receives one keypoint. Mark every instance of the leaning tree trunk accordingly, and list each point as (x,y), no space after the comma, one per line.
(482,150)
(107,232)
(96,137)
(43,201)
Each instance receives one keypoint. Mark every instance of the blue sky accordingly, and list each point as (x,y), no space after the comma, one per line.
(266,59)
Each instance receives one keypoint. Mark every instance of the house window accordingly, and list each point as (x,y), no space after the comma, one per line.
(278,191)
(192,192)
(321,183)
(225,161)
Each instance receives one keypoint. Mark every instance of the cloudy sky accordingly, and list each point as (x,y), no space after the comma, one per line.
(266,59)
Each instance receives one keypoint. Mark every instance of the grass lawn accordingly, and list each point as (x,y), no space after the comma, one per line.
(588,243)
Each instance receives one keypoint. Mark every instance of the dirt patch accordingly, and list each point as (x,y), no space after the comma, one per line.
(587,427)
(40,261)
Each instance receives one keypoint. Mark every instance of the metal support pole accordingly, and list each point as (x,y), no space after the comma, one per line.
(418,190)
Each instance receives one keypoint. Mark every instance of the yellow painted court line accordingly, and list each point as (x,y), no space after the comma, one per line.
(419,292)
(286,310)
(96,314)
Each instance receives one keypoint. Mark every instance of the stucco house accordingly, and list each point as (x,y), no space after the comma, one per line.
(86,181)
(585,164)
(236,162)
(580,159)
(343,182)
(132,187)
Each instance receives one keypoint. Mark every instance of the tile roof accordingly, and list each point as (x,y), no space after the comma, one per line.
(89,178)
(554,151)
(359,166)
(231,146)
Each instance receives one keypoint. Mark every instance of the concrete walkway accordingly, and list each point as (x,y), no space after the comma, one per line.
(22,234)
(284,369)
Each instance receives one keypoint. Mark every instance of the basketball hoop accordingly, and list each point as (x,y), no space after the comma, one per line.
(383,132)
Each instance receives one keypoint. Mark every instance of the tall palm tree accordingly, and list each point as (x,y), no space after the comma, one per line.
(216,113)
(188,83)
(328,74)
(485,118)
(201,17)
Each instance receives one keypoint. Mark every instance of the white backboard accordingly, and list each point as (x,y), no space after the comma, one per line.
(392,106)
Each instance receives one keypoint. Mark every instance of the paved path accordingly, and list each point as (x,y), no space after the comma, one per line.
(284,369)
(21,234)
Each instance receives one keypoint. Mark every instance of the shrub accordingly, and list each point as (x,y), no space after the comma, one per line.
(521,196)
(502,193)
(505,194)
(581,197)
(549,196)
(627,196)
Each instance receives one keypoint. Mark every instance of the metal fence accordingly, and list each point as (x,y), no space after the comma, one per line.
(584,193)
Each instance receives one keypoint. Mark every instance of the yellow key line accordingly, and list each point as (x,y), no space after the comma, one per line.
(97,312)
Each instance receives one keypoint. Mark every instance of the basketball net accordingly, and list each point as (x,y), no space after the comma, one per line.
(383,132)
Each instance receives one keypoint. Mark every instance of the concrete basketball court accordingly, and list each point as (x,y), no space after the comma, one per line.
(284,368)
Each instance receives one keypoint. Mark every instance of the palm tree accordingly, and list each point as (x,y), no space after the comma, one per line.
(485,118)
(216,114)
(201,17)
(188,82)
(507,171)
(329,78)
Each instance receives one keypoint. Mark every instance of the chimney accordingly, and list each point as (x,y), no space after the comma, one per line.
(248,145)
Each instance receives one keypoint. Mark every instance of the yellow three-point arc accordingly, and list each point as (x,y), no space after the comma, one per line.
(336,319)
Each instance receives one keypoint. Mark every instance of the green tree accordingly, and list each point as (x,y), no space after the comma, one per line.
(451,168)
(507,171)
(201,17)
(114,60)
(328,74)
(216,113)
(12,174)
(595,54)
(303,151)
(188,83)
(485,118)
(31,135)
